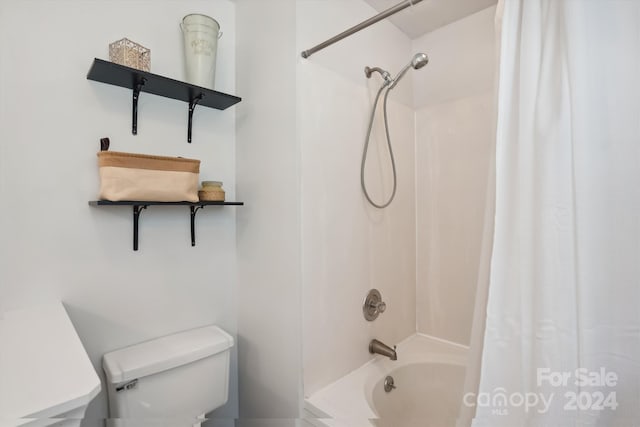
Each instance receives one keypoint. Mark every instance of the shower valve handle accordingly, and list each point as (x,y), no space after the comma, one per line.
(373,305)
(379,306)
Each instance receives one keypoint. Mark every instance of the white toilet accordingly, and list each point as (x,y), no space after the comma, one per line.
(46,377)
(172,381)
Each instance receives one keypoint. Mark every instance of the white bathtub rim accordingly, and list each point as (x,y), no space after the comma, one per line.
(351,397)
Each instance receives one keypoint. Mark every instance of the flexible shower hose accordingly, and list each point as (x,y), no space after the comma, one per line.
(366,149)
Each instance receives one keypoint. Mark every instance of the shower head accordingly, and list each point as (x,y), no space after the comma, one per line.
(418,61)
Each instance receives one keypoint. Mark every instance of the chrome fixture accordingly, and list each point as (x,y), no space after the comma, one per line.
(418,61)
(389,384)
(377,18)
(373,305)
(385,74)
(129,385)
(377,347)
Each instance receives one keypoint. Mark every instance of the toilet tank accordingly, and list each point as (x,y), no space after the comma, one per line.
(177,376)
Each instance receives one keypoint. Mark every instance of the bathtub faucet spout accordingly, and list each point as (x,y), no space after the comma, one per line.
(377,347)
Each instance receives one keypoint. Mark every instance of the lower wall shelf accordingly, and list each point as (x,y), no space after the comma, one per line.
(138,206)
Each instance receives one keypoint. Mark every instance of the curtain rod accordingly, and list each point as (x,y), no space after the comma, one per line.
(379,17)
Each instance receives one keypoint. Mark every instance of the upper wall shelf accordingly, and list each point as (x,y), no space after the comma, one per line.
(142,81)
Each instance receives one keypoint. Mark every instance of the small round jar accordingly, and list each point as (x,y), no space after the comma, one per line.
(211,192)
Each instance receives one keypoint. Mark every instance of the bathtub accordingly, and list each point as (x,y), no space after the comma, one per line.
(429,377)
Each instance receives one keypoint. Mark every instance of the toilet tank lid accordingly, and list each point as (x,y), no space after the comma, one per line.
(164,353)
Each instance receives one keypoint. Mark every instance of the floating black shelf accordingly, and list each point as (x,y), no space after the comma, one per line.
(139,206)
(142,81)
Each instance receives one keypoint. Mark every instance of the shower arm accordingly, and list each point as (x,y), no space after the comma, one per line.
(377,18)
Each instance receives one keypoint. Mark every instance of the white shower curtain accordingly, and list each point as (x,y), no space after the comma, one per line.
(562,338)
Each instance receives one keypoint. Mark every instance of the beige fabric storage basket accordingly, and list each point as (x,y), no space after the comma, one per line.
(127,176)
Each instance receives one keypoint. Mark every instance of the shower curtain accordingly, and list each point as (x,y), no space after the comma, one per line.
(562,336)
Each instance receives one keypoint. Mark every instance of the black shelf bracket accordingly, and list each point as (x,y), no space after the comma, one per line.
(137,210)
(194,211)
(140,205)
(134,110)
(192,106)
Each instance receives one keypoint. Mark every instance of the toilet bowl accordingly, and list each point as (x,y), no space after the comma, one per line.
(46,377)
(172,381)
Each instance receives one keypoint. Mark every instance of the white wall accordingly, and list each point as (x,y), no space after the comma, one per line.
(268,239)
(462,60)
(349,247)
(53,244)
(454,131)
